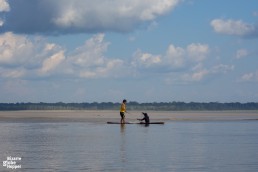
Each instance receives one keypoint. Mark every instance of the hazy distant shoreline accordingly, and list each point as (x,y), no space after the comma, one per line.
(103,116)
(156,106)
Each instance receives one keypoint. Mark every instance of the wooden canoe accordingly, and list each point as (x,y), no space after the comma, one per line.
(136,123)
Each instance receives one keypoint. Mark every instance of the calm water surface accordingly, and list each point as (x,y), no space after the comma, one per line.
(230,146)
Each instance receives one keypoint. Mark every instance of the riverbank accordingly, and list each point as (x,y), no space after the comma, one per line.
(111,115)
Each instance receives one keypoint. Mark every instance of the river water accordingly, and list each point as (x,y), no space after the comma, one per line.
(180,146)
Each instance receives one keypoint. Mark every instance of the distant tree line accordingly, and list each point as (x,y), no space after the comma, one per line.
(161,106)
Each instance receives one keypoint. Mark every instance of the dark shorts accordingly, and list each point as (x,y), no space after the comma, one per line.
(122,114)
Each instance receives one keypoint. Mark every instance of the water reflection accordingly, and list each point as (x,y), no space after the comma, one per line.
(122,128)
(177,146)
(146,125)
(123,145)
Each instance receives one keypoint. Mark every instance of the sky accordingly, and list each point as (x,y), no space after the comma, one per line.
(144,51)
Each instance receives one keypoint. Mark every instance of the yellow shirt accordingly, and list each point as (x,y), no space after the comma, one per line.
(123,108)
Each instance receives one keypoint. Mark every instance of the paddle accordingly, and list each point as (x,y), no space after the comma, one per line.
(132,114)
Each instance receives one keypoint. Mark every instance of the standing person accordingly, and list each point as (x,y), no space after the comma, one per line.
(145,118)
(122,111)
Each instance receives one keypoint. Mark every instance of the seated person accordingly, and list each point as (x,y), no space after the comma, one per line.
(145,118)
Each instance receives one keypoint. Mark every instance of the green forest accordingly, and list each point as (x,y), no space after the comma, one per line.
(160,106)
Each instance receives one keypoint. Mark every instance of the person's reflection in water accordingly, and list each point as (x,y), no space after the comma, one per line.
(122,128)
(123,155)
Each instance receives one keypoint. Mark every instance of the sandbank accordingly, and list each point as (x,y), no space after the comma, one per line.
(102,116)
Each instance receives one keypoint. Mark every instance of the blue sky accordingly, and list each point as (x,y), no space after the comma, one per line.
(144,51)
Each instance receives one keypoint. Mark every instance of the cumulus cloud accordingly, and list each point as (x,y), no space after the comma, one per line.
(91,53)
(193,53)
(17,50)
(197,52)
(249,77)
(199,73)
(4,6)
(195,76)
(111,69)
(174,58)
(52,62)
(146,60)
(21,57)
(222,68)
(89,60)
(73,16)
(234,27)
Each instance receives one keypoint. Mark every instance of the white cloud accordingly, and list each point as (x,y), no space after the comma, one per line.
(51,47)
(70,16)
(91,53)
(19,50)
(195,76)
(249,77)
(15,49)
(52,62)
(178,56)
(241,53)
(234,27)
(199,73)
(1,22)
(186,62)
(111,69)
(9,43)
(197,52)
(4,6)
(89,60)
(222,68)
(175,56)
(21,57)
(152,8)
(141,59)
